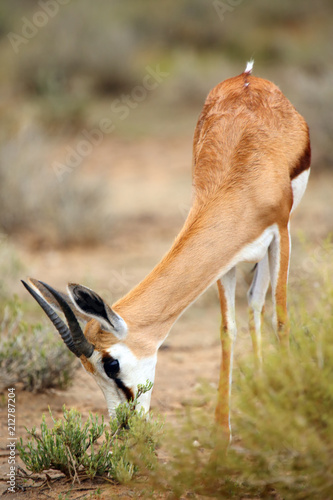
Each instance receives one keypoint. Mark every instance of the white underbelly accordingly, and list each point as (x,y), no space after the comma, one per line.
(256,250)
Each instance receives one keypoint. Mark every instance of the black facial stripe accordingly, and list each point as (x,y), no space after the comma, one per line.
(109,363)
(126,390)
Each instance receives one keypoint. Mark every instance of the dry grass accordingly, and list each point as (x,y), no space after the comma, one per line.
(32,357)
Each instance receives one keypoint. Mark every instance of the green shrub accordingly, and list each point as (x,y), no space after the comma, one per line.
(282,421)
(32,356)
(71,446)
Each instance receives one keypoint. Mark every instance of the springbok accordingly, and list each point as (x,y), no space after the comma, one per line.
(251,163)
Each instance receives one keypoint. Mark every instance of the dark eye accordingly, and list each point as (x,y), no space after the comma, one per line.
(111,367)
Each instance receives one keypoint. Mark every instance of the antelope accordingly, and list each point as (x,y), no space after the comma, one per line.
(251,163)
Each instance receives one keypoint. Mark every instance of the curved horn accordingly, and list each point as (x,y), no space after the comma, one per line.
(58,323)
(81,343)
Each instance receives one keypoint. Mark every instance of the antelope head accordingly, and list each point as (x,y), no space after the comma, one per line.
(104,348)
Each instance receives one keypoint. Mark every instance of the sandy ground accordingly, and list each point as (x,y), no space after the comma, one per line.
(150,192)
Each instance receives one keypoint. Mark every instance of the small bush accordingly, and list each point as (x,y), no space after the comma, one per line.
(70,446)
(32,356)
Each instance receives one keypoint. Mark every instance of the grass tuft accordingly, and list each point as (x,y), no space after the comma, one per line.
(71,447)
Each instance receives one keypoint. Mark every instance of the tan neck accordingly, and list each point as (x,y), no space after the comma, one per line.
(202,251)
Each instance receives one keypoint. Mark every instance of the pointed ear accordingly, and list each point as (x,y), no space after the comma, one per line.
(46,295)
(93,306)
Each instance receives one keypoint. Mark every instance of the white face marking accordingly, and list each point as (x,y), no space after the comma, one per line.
(133,371)
(298,186)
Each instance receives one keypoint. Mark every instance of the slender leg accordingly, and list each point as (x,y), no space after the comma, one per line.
(226,286)
(279,268)
(256,299)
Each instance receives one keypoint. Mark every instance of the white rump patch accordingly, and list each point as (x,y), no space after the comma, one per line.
(298,186)
(249,67)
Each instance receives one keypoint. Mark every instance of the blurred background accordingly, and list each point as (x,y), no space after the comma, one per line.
(141,70)
(98,107)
